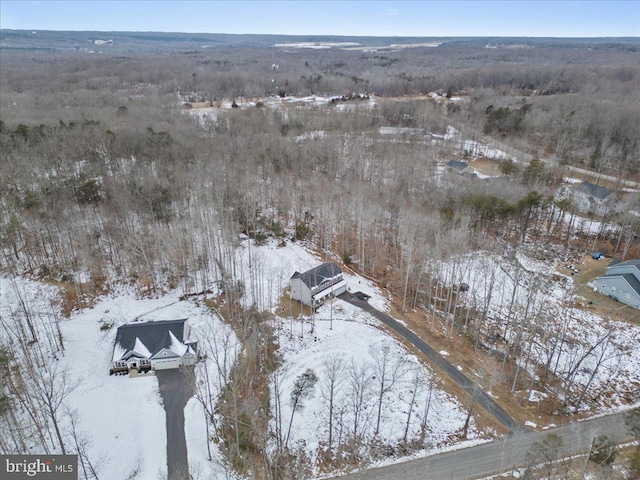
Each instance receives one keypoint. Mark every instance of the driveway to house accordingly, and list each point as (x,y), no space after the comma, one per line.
(472,389)
(500,456)
(176,388)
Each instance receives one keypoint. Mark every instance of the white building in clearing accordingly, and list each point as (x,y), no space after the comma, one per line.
(153,345)
(316,285)
(590,198)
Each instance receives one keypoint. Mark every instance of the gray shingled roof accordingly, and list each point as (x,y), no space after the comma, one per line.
(635,263)
(319,274)
(153,334)
(594,190)
(615,264)
(457,164)
(631,280)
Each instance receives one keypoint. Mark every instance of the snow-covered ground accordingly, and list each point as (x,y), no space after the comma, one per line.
(342,331)
(529,299)
(472,148)
(122,418)
(589,226)
(344,337)
(266,270)
(207,116)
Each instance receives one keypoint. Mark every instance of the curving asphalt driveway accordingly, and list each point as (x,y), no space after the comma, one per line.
(482,398)
(176,388)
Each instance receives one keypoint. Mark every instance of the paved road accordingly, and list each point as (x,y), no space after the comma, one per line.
(624,182)
(498,456)
(482,398)
(527,157)
(176,388)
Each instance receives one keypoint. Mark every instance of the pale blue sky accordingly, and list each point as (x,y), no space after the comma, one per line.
(550,18)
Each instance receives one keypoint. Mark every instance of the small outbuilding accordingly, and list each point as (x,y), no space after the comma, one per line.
(146,346)
(314,286)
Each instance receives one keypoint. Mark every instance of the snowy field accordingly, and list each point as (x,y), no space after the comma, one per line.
(470,147)
(345,339)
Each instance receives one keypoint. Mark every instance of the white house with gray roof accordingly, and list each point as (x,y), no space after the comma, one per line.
(461,168)
(314,286)
(145,346)
(591,198)
(622,282)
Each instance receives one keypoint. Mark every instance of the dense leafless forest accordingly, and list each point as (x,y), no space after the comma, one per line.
(122,165)
(98,152)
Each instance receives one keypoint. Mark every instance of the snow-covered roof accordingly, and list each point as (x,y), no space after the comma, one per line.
(318,275)
(140,349)
(176,345)
(145,339)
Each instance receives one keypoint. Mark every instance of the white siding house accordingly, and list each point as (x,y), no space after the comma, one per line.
(313,287)
(622,283)
(461,168)
(153,345)
(590,198)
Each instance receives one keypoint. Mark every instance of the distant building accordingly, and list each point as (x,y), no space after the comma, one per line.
(591,198)
(461,168)
(153,345)
(314,286)
(622,282)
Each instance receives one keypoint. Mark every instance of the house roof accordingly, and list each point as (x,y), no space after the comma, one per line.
(631,279)
(458,165)
(629,263)
(593,190)
(314,277)
(145,339)
(635,263)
